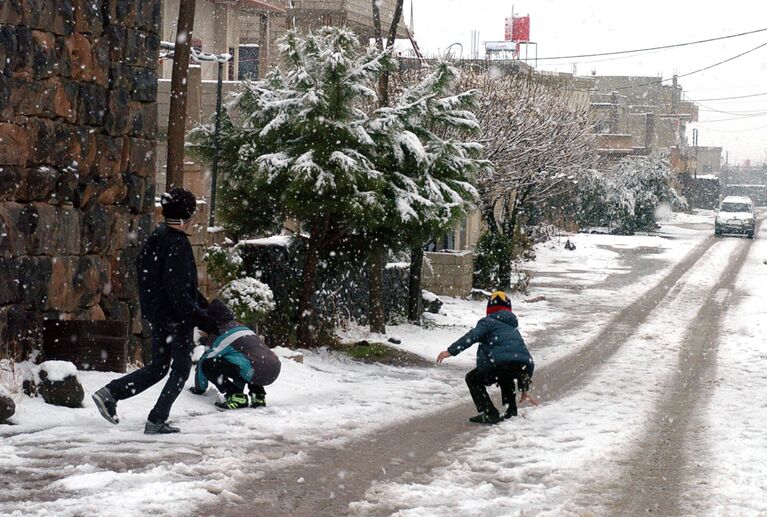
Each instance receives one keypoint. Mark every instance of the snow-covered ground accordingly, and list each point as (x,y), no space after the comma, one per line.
(555,458)
(57,461)
(543,462)
(737,412)
(95,468)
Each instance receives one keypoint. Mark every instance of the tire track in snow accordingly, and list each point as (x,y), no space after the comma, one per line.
(331,478)
(657,468)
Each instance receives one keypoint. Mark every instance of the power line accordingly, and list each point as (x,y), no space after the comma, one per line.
(593,61)
(675,45)
(731,130)
(733,118)
(730,87)
(709,67)
(737,113)
(727,98)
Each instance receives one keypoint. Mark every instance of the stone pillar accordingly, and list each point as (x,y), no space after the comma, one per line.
(78,125)
(448,273)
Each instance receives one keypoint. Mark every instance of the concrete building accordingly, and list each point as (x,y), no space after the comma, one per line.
(357,15)
(249,29)
(246,29)
(708,160)
(639,115)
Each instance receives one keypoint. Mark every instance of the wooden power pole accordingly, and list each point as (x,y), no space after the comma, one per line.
(178,95)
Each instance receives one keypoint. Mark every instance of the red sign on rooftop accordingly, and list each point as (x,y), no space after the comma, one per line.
(520,29)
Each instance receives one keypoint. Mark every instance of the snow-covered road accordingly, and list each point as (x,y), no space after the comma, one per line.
(633,439)
(601,383)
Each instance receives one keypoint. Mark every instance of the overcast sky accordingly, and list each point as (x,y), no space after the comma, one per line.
(567,27)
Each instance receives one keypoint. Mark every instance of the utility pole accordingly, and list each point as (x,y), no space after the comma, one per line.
(178,95)
(695,144)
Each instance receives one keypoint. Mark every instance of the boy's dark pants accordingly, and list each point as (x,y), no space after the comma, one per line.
(504,375)
(171,350)
(226,377)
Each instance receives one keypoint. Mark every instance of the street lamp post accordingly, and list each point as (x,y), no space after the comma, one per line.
(216,147)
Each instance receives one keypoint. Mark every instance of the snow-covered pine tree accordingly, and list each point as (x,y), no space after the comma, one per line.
(295,145)
(428,159)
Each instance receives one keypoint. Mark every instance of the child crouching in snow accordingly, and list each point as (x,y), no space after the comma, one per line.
(236,357)
(502,358)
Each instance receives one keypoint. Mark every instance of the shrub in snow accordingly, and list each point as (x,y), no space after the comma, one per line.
(250,300)
(59,384)
(431,302)
(7,406)
(223,264)
(628,196)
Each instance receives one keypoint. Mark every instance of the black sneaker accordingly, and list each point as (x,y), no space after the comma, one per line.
(486,417)
(161,428)
(233,401)
(509,414)
(106,404)
(257,401)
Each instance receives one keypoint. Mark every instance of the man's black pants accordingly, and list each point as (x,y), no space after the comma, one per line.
(171,350)
(504,375)
(226,377)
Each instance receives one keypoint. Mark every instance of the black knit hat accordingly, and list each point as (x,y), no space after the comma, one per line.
(498,301)
(178,205)
(219,312)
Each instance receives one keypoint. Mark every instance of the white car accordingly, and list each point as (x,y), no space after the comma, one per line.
(735,216)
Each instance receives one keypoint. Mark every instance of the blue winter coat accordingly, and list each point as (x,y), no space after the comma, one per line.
(242,347)
(499,342)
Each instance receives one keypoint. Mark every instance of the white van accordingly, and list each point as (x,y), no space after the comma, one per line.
(735,216)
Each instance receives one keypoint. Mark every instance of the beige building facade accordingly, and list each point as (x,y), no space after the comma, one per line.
(245,29)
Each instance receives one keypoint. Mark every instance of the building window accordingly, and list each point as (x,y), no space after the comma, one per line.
(248,62)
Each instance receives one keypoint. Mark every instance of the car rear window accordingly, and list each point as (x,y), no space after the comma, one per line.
(736,207)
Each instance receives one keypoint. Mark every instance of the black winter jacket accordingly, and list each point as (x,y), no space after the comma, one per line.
(167,280)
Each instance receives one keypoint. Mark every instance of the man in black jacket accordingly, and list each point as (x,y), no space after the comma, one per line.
(171,303)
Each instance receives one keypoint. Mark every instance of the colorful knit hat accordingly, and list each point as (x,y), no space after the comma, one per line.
(498,302)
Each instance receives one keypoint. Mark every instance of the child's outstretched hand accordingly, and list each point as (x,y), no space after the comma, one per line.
(442,356)
(525,396)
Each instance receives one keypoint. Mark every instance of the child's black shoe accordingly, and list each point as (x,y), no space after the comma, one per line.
(106,404)
(257,401)
(486,417)
(161,428)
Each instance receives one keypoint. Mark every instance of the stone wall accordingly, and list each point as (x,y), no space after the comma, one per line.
(449,274)
(78,124)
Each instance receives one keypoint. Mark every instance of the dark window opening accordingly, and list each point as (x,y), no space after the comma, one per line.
(248,62)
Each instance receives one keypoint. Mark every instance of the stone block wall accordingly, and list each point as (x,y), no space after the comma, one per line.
(78,124)
(448,274)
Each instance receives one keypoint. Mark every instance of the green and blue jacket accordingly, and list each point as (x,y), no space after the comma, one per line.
(241,346)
